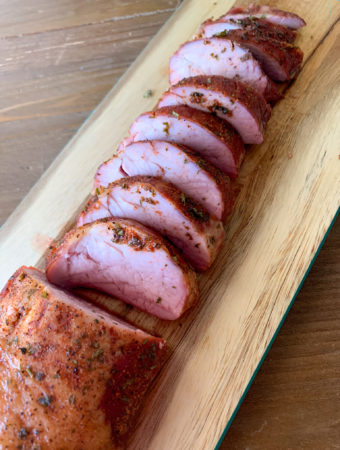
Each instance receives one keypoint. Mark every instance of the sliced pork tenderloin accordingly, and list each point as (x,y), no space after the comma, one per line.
(222,27)
(236,102)
(177,164)
(280,61)
(221,56)
(163,207)
(126,260)
(210,136)
(77,375)
(273,15)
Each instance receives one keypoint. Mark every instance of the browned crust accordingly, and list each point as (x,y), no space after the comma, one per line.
(286,55)
(268,29)
(238,91)
(220,178)
(119,358)
(140,238)
(259,9)
(124,232)
(219,127)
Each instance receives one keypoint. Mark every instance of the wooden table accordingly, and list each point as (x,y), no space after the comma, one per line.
(57,61)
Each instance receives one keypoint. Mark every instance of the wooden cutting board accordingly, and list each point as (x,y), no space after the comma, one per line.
(288,195)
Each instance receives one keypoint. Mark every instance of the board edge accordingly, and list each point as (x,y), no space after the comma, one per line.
(271,342)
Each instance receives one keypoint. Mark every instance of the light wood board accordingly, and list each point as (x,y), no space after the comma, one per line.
(289,193)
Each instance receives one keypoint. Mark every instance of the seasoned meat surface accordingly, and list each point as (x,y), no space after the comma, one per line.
(175,163)
(221,56)
(280,61)
(72,376)
(160,205)
(236,102)
(222,27)
(129,261)
(274,15)
(210,136)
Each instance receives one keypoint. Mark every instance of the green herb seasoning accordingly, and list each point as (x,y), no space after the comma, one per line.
(175,114)
(166,128)
(45,400)
(44,294)
(23,433)
(39,376)
(183,198)
(29,371)
(148,93)
(159,299)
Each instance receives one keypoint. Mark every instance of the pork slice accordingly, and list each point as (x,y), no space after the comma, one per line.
(221,56)
(222,27)
(160,205)
(126,260)
(210,136)
(110,170)
(274,15)
(236,102)
(179,165)
(72,375)
(280,61)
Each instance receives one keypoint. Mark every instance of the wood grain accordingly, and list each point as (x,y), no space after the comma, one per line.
(249,219)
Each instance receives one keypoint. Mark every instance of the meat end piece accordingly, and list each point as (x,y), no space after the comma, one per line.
(179,165)
(221,56)
(280,61)
(111,170)
(128,261)
(210,136)
(160,205)
(222,27)
(236,102)
(73,376)
(273,15)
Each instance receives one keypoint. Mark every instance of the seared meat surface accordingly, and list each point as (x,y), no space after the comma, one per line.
(177,164)
(222,27)
(161,206)
(221,56)
(236,102)
(206,134)
(274,15)
(72,375)
(126,260)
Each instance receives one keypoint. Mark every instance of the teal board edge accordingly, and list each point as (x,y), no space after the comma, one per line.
(275,334)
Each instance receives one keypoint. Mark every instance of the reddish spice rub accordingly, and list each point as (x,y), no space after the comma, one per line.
(72,375)
(268,13)
(225,57)
(221,27)
(206,134)
(236,102)
(126,260)
(178,165)
(280,61)
(163,207)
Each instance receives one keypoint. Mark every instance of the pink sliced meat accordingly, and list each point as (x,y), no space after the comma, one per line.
(221,56)
(72,375)
(160,205)
(111,170)
(126,260)
(210,136)
(280,61)
(236,102)
(177,164)
(222,27)
(274,15)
